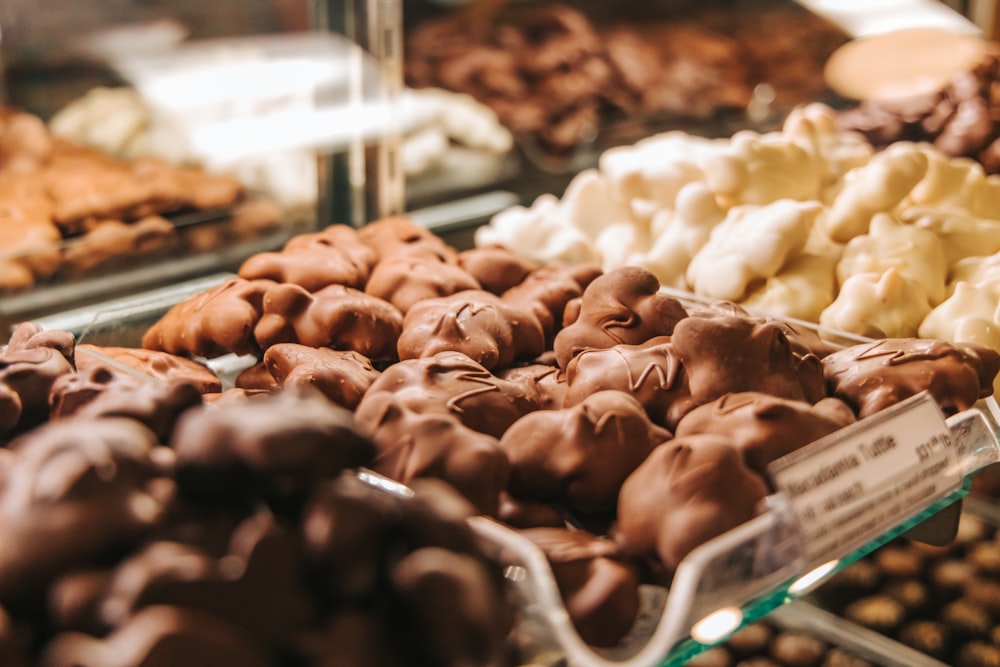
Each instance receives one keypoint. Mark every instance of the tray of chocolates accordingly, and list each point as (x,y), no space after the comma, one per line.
(572,78)
(939,600)
(79,226)
(649,473)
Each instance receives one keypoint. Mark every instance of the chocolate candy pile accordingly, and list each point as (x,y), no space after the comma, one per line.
(942,601)
(617,427)
(140,525)
(959,120)
(556,76)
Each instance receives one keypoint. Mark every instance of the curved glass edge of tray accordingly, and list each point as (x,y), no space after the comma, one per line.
(724,584)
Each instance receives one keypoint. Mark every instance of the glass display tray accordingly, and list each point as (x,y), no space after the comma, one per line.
(723,584)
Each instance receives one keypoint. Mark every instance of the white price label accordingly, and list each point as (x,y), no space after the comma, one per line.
(862,480)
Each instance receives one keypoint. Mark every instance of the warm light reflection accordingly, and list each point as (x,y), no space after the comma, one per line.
(716,625)
(811,578)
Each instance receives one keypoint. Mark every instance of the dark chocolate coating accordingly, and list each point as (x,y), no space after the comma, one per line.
(334,256)
(452,382)
(474,322)
(338,317)
(30,335)
(686,492)
(160,365)
(622,306)
(160,636)
(102,392)
(873,376)
(598,583)
(213,323)
(434,444)
(276,448)
(766,427)
(27,376)
(651,372)
(729,354)
(75,491)
(255,585)
(580,456)
(405,279)
(455,614)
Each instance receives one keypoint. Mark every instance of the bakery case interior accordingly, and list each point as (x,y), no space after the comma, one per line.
(429,333)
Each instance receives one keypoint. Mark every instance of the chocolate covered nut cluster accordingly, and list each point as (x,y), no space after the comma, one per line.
(556,76)
(68,212)
(643,425)
(767,644)
(811,222)
(140,526)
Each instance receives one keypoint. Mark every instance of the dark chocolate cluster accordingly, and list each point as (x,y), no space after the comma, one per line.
(548,397)
(141,525)
(960,120)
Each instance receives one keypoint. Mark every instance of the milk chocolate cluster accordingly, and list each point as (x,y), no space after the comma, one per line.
(67,211)
(560,398)
(140,524)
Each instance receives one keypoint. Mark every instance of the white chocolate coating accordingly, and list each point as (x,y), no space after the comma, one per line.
(878,305)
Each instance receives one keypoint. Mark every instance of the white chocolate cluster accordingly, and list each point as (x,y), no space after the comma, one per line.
(808,222)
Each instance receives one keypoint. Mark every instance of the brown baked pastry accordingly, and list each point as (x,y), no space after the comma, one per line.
(598,583)
(766,360)
(686,492)
(76,491)
(433,444)
(212,323)
(579,456)
(334,256)
(622,306)
(452,382)
(766,427)
(276,448)
(651,372)
(406,278)
(164,366)
(475,322)
(495,267)
(336,316)
(872,376)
